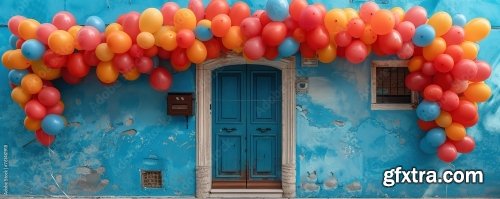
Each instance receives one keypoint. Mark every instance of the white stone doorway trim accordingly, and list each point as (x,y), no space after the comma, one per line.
(204,121)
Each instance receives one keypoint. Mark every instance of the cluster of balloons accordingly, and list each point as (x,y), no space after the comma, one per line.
(442,49)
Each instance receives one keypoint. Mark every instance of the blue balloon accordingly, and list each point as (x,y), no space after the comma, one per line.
(277,10)
(97,22)
(15,76)
(13,41)
(53,124)
(203,33)
(435,137)
(424,35)
(33,49)
(428,111)
(459,20)
(426,147)
(288,47)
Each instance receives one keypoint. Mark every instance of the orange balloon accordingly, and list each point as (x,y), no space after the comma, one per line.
(415,63)
(197,53)
(16,60)
(220,25)
(383,22)
(31,83)
(167,40)
(437,47)
(145,40)
(73,31)
(455,131)
(103,52)
(32,124)
(327,54)
(106,72)
(20,96)
(132,75)
(112,28)
(478,92)
(119,42)
(61,42)
(444,119)
(233,38)
(27,29)
(184,19)
(44,72)
(335,21)
(369,37)
(470,50)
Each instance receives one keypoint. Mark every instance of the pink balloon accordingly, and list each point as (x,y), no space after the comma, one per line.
(407,30)
(64,20)
(88,38)
(35,110)
(483,71)
(356,52)
(49,96)
(131,25)
(43,32)
(433,92)
(310,18)
(416,15)
(356,27)
(428,69)
(343,39)
(13,24)
(251,27)
(168,11)
(466,145)
(443,63)
(459,86)
(464,70)
(254,48)
(454,36)
(455,51)
(367,10)
(449,101)
(406,51)
(197,7)
(447,152)
(257,13)
(390,43)
(416,81)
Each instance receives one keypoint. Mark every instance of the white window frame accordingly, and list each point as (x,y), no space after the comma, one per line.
(387,106)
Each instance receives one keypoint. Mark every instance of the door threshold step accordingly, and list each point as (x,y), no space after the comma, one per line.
(246,193)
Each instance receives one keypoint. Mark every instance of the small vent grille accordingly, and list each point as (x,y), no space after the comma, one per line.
(151,179)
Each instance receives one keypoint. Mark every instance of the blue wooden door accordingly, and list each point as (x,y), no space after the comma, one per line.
(246,122)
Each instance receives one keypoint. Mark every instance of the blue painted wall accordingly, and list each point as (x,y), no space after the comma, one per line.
(117,130)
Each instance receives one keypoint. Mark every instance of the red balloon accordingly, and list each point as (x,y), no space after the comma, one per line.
(456,52)
(426,126)
(406,51)
(76,65)
(447,152)
(483,71)
(291,25)
(443,63)
(43,32)
(251,27)
(343,39)
(163,54)
(54,60)
(44,138)
(69,78)
(19,43)
(296,7)
(274,33)
(318,38)
(464,70)
(377,49)
(63,20)
(136,51)
(49,96)
(144,64)
(131,25)
(472,122)
(390,43)
(238,12)
(216,7)
(35,110)
(151,52)
(406,29)
(449,101)
(465,111)
(90,58)
(306,51)
(271,53)
(433,92)
(443,79)
(310,18)
(356,52)
(88,38)
(356,27)
(341,51)
(264,18)
(179,60)
(254,48)
(466,145)
(213,48)
(416,81)
(454,36)
(160,79)
(123,62)
(57,109)
(185,38)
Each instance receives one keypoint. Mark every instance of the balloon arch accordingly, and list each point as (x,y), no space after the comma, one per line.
(442,52)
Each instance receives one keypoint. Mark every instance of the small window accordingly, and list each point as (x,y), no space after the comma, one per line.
(151,179)
(388,86)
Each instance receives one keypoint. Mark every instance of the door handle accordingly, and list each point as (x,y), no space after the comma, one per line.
(228,130)
(263,130)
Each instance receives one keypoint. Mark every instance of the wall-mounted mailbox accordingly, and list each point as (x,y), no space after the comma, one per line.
(180,104)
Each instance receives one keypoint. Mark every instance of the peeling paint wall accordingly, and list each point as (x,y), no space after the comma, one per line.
(342,146)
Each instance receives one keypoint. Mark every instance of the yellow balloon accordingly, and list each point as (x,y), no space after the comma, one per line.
(132,74)
(415,63)
(103,52)
(27,29)
(437,47)
(335,21)
(145,40)
(106,72)
(441,22)
(470,50)
(32,124)
(350,13)
(73,30)
(197,53)
(327,54)
(455,131)
(31,83)
(478,92)
(16,60)
(167,40)
(444,119)
(233,38)
(20,96)
(205,22)
(150,20)
(184,19)
(477,29)
(46,73)
(112,27)
(399,13)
